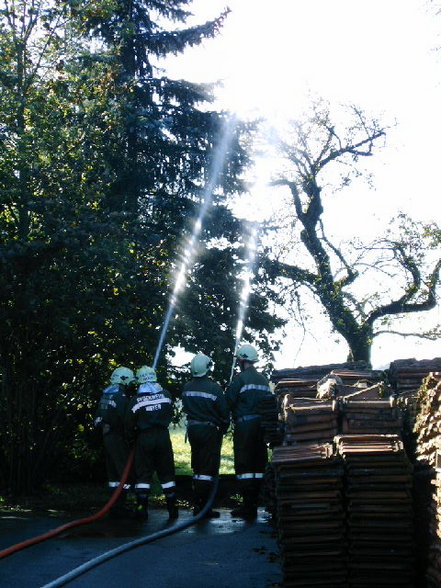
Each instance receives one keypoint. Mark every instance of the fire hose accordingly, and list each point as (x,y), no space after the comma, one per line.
(34,540)
(92,563)
(62,580)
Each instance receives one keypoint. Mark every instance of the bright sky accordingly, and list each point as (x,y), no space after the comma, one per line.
(381,55)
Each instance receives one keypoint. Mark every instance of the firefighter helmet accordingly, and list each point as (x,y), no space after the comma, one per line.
(146,374)
(247,353)
(200,364)
(122,375)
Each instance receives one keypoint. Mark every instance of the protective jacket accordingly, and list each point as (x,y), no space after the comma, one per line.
(111,409)
(208,418)
(109,417)
(203,401)
(151,407)
(246,392)
(148,416)
(244,395)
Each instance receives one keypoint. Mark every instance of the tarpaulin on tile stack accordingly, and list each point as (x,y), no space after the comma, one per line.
(361,384)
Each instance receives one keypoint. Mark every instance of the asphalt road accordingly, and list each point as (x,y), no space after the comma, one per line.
(219,553)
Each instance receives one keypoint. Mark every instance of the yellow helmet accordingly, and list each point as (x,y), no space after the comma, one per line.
(122,375)
(146,374)
(247,353)
(200,364)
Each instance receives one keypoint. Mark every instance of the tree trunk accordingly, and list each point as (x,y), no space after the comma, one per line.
(360,345)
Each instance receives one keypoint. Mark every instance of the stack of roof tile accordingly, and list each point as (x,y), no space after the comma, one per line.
(374,392)
(302,381)
(433,575)
(371,416)
(428,423)
(310,515)
(406,377)
(298,387)
(361,384)
(309,419)
(428,453)
(379,511)
(315,372)
(354,376)
(273,428)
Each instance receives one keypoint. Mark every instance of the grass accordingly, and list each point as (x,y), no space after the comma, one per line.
(182,452)
(55,499)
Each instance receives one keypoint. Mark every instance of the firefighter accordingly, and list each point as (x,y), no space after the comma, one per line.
(244,394)
(208,418)
(109,418)
(149,415)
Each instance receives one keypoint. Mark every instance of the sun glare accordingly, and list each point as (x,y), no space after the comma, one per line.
(382,56)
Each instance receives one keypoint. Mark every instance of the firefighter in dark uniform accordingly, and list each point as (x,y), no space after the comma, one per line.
(208,418)
(148,417)
(109,418)
(244,394)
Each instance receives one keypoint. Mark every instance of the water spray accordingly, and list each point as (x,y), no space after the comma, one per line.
(190,249)
(255,210)
(250,260)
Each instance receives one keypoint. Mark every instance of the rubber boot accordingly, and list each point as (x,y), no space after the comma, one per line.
(119,509)
(201,491)
(205,494)
(198,499)
(141,511)
(248,508)
(173,512)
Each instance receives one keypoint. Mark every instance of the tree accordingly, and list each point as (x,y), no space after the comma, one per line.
(167,144)
(104,167)
(361,287)
(62,258)
(208,311)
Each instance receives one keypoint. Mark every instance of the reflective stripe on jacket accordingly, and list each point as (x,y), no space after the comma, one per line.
(245,393)
(203,400)
(147,410)
(112,408)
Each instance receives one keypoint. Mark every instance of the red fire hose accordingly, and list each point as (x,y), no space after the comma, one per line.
(19,546)
(96,561)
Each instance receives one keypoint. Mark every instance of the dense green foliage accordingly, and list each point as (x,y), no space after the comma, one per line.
(103,168)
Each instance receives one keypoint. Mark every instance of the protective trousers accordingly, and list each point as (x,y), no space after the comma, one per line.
(154,453)
(250,459)
(117,453)
(206,441)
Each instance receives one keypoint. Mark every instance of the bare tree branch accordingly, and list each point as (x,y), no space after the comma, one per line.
(430,336)
(315,146)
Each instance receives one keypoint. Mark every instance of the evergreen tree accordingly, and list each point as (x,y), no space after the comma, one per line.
(168,139)
(105,163)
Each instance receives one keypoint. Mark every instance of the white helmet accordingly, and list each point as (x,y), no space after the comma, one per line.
(247,353)
(122,375)
(200,364)
(146,374)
